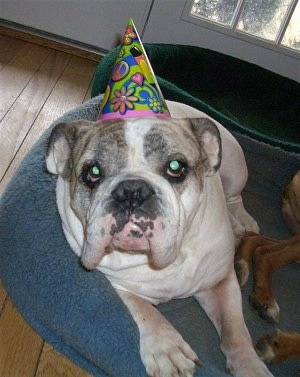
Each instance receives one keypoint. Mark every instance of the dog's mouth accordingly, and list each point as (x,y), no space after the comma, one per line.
(132,238)
(138,234)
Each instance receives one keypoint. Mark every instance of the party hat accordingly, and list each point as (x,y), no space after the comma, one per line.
(132,90)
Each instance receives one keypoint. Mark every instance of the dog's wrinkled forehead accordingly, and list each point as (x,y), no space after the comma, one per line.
(155,141)
(136,143)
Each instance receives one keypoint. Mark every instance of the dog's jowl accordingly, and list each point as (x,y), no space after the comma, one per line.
(155,204)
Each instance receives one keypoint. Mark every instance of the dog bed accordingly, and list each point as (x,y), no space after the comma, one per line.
(242,96)
(77,311)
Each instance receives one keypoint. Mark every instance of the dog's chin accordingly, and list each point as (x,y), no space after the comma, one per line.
(131,239)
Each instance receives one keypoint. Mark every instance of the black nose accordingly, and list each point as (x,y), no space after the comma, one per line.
(132,193)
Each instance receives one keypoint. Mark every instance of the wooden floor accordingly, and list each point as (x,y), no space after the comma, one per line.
(37,85)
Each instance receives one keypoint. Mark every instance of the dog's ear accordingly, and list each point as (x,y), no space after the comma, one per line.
(61,144)
(208,136)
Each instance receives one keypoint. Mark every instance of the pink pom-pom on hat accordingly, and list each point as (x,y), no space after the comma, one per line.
(132,90)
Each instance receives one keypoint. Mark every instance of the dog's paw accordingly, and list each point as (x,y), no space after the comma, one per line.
(277,347)
(248,366)
(265,347)
(266,306)
(257,371)
(166,354)
(242,271)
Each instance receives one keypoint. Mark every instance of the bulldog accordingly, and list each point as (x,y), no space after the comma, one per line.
(155,204)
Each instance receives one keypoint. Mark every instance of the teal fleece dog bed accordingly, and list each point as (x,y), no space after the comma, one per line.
(79,312)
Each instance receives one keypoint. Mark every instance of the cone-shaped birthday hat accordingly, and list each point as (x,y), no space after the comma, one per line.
(132,90)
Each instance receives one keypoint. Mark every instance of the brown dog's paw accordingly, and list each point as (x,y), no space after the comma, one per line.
(242,271)
(265,348)
(266,306)
(279,346)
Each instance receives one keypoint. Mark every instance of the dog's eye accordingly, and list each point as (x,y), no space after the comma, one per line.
(176,169)
(94,173)
(91,175)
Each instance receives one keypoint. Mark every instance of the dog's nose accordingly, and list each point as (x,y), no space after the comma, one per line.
(132,192)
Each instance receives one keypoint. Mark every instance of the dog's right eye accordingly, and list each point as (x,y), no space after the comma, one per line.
(91,175)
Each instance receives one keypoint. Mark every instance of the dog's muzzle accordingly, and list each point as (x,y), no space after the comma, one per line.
(133,219)
(134,208)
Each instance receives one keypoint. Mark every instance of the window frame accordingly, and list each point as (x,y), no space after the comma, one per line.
(241,35)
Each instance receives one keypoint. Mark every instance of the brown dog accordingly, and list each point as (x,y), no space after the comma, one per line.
(267,255)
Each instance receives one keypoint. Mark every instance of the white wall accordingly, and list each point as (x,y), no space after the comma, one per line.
(94,22)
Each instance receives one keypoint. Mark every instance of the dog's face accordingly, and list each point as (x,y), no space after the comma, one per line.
(136,184)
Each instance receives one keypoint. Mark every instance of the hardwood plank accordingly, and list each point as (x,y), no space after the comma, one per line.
(34,94)
(20,346)
(68,93)
(18,72)
(9,47)
(19,119)
(52,363)
(88,92)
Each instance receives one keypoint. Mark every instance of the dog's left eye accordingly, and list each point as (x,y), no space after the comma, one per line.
(94,173)
(91,175)
(176,169)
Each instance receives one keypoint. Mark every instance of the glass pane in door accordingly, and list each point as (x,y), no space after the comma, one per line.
(219,11)
(263,18)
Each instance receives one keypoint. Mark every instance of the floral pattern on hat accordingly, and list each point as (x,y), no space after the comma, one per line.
(132,90)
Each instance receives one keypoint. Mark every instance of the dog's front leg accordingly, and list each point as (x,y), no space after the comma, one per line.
(223,305)
(163,350)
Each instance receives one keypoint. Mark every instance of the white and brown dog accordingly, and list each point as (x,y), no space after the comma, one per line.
(154,204)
